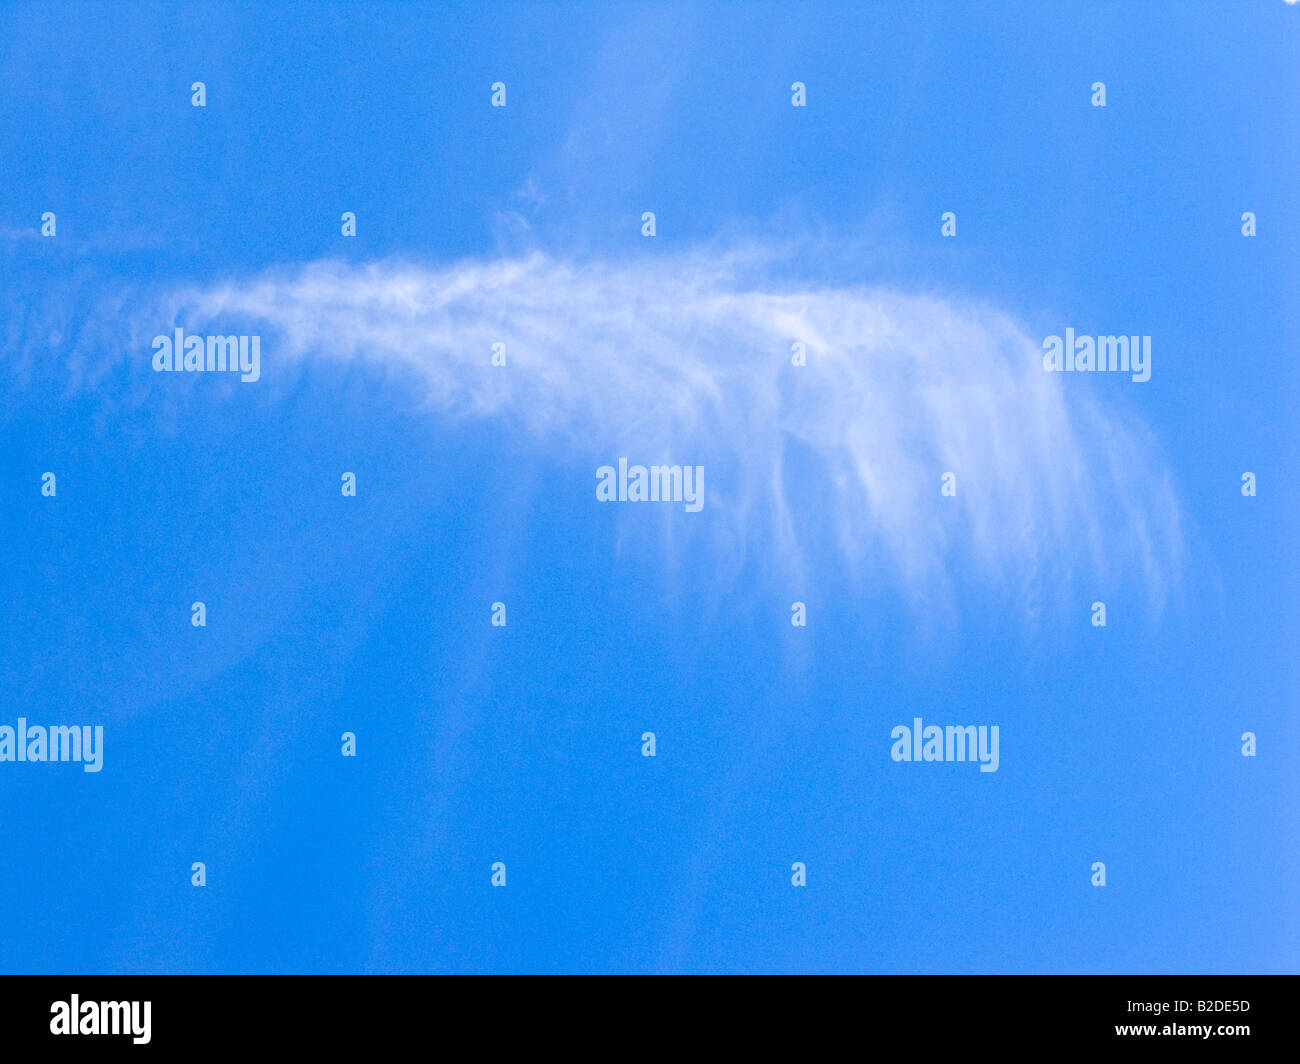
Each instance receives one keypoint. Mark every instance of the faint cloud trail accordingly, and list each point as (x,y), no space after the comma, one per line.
(687,358)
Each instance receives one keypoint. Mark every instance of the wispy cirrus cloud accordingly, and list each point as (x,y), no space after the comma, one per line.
(686,358)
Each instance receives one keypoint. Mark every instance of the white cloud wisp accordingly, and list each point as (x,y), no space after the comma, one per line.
(687,359)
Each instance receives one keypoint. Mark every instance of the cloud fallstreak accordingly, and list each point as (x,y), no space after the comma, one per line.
(687,358)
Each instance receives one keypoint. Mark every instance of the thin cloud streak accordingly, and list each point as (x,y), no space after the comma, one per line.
(686,358)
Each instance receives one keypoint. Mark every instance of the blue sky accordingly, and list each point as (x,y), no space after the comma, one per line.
(522,744)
